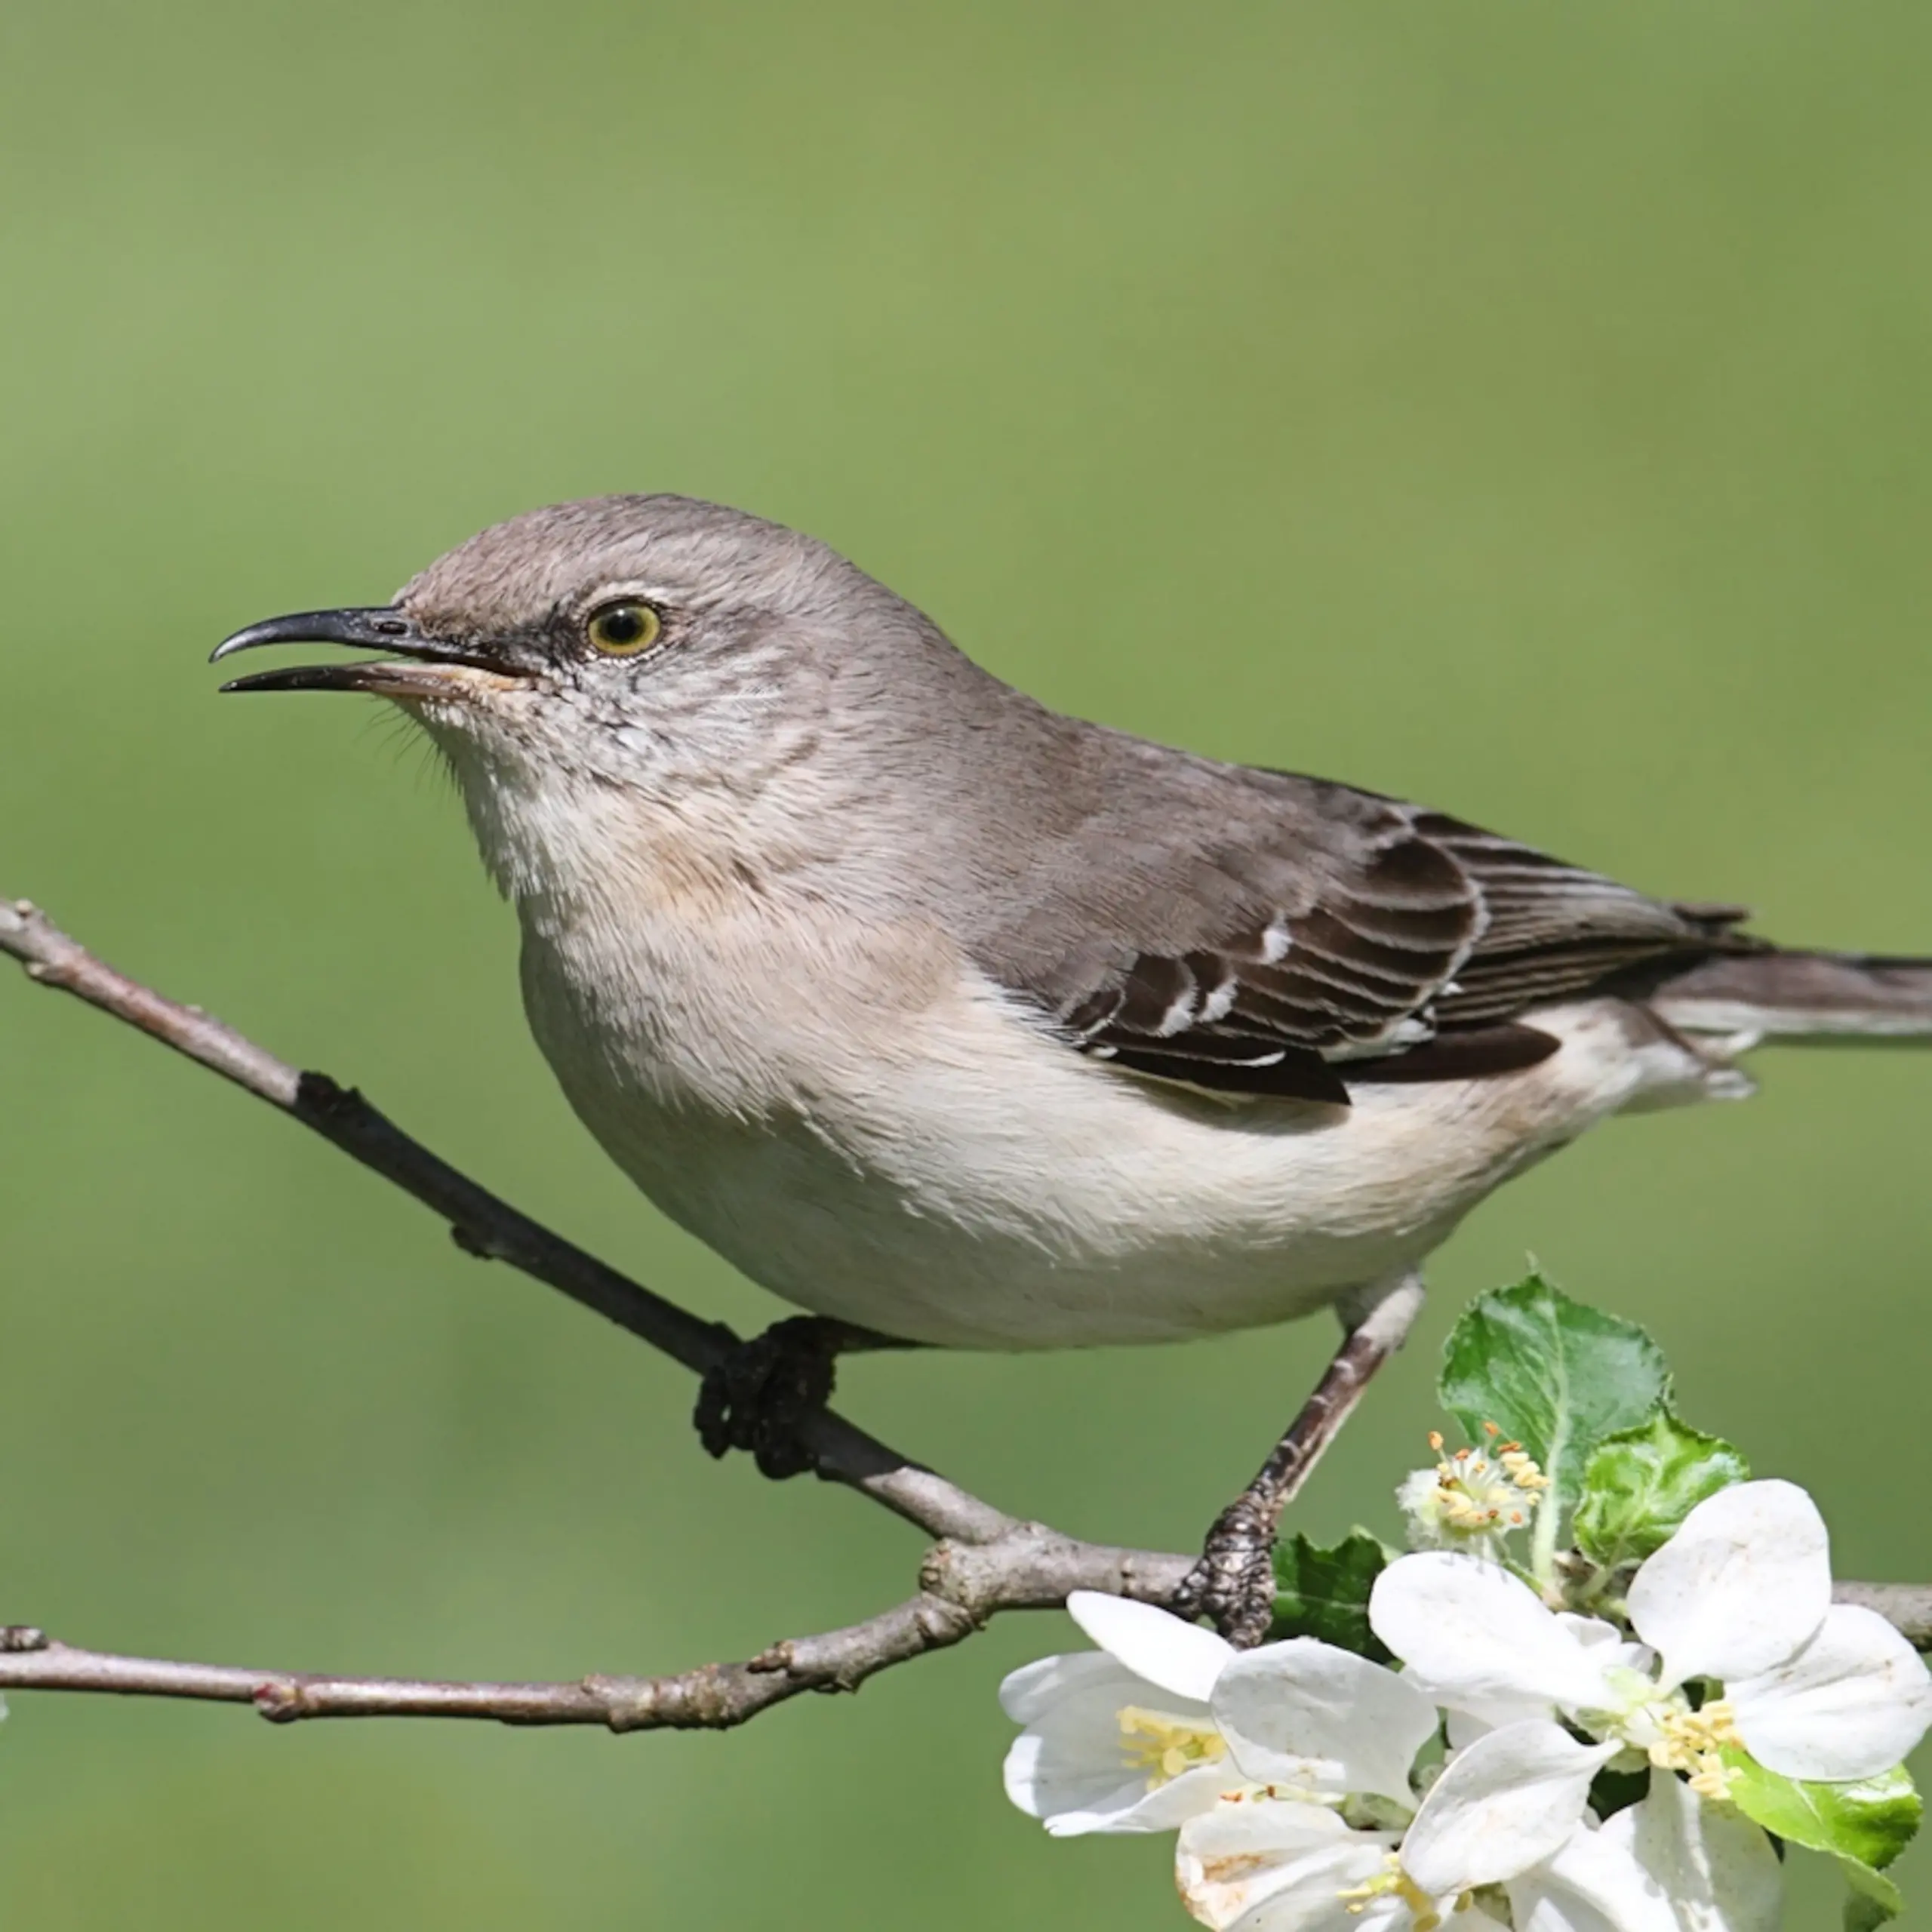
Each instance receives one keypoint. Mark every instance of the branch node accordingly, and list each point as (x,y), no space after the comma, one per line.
(629,1703)
(283,1699)
(942,1621)
(17,1638)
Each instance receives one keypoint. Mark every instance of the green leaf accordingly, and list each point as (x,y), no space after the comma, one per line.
(1867,1824)
(1558,1377)
(1639,1485)
(1875,1899)
(1325,1593)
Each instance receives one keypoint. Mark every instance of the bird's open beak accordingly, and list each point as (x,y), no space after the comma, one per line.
(416,665)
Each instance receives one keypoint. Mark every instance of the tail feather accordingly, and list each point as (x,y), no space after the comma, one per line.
(1817,997)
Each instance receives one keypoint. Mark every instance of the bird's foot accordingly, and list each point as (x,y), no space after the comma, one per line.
(1233,1585)
(759,1396)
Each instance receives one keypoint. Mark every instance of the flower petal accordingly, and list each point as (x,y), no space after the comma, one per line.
(1035,1688)
(1716,1867)
(1852,1703)
(1742,1584)
(1180,1657)
(1240,1854)
(1592,1884)
(1072,1769)
(1071,1806)
(1477,1637)
(1503,1805)
(1285,1705)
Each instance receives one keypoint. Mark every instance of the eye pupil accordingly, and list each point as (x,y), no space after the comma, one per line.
(624,627)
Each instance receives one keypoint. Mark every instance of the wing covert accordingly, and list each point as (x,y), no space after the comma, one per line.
(1346,939)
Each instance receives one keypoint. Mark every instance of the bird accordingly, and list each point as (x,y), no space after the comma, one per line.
(956,1021)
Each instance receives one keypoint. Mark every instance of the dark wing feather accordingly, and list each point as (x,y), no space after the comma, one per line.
(1555,930)
(1345,939)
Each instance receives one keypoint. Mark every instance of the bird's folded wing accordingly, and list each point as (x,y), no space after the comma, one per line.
(1309,937)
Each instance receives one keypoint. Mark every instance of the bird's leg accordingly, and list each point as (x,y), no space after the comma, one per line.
(757,1396)
(1234,1583)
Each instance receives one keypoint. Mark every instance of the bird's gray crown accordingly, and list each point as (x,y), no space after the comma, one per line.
(696,555)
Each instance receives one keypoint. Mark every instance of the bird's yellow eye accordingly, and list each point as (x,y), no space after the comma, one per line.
(622,630)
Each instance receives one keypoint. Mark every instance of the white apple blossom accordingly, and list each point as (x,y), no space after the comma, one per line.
(1289,1771)
(1167,1718)
(1119,1739)
(1741,1595)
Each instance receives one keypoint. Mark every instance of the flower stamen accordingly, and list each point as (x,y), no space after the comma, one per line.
(1394,1883)
(1694,1742)
(1165,1746)
(1473,1495)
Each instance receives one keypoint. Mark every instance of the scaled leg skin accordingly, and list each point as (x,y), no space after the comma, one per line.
(1234,1583)
(759,1396)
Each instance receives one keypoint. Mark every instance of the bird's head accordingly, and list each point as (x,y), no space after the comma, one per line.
(605,636)
(648,647)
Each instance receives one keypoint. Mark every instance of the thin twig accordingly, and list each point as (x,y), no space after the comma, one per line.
(961,1586)
(714,1697)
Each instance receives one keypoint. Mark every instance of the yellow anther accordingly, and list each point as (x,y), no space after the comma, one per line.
(1694,1742)
(1521,1469)
(1165,1746)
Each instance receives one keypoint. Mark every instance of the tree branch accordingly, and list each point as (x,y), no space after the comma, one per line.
(985,1562)
(962,1585)
(713,1696)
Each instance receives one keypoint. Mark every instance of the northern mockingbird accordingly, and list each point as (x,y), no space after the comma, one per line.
(958,1022)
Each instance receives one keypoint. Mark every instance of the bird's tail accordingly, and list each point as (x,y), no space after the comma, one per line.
(1821,999)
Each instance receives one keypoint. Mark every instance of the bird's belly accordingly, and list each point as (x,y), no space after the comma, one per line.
(1034,1250)
(960,1178)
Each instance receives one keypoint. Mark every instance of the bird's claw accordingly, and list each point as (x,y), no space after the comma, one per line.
(758,1397)
(1233,1584)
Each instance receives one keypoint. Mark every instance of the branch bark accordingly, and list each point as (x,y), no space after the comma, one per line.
(962,1585)
(985,1562)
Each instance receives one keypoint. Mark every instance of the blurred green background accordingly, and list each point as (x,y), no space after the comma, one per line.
(1525,409)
